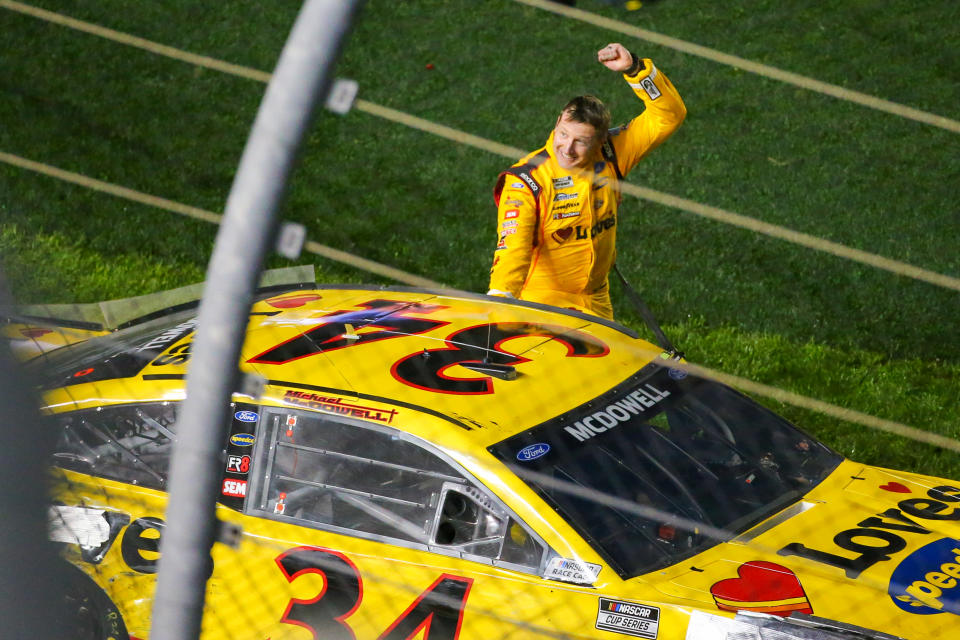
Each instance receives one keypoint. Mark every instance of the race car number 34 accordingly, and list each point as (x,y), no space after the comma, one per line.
(633,619)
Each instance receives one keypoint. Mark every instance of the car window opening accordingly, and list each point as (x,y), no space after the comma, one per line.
(327,472)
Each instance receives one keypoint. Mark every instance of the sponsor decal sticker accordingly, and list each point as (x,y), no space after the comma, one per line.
(529,181)
(602,182)
(509,223)
(879,538)
(337,405)
(563,183)
(246,416)
(515,203)
(234,488)
(566,214)
(533,451)
(677,374)
(562,235)
(928,580)
(560,197)
(597,168)
(516,185)
(170,336)
(628,618)
(895,487)
(511,213)
(637,401)
(650,87)
(763,587)
(575,571)
(238,464)
(242,439)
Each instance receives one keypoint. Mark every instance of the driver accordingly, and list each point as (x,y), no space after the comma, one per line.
(557,206)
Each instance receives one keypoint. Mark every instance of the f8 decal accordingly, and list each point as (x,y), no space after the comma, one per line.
(389,316)
(437,612)
(482,344)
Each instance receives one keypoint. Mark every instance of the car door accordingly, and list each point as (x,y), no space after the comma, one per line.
(354,529)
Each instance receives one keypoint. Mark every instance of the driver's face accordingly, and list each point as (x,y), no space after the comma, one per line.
(574,143)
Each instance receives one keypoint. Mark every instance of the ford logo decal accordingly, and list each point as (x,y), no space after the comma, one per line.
(246,416)
(243,439)
(533,451)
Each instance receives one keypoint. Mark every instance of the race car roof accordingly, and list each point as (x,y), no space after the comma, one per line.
(487,367)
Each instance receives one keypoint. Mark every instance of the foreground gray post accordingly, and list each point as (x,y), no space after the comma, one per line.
(301,79)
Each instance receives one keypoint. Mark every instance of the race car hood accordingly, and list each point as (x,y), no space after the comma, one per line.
(869,547)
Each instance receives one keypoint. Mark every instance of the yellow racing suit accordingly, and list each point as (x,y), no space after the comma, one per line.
(556,228)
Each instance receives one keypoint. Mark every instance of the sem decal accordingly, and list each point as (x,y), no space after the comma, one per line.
(764,587)
(234,488)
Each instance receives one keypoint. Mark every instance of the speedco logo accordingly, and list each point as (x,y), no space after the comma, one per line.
(242,439)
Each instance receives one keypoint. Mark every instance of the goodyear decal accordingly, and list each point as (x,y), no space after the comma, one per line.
(928,580)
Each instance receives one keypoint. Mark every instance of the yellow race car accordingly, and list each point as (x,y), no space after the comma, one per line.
(434,466)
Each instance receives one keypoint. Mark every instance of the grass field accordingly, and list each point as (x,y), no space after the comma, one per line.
(746,304)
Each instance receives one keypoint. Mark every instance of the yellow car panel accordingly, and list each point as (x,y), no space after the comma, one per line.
(422,465)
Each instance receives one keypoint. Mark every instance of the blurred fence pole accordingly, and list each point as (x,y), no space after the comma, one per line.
(301,79)
(31,590)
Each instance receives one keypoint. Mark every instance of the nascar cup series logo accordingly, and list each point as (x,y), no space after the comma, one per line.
(928,580)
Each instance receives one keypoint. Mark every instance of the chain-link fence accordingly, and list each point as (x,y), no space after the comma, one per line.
(408,463)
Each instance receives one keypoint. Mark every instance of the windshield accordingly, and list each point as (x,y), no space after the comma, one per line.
(120,354)
(666,441)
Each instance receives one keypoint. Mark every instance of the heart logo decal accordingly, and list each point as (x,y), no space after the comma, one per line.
(764,587)
(292,301)
(561,235)
(34,332)
(896,487)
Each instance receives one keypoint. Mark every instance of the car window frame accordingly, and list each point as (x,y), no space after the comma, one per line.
(264,455)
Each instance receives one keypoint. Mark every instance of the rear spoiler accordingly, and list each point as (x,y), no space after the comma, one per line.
(124,312)
(39,328)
